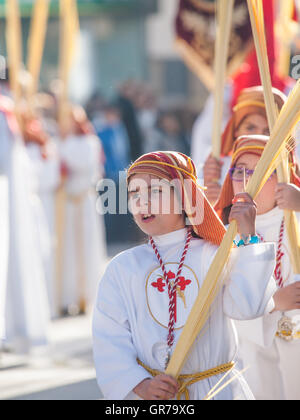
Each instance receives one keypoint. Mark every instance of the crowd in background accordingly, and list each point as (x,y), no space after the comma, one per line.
(129,125)
(133,123)
(54,244)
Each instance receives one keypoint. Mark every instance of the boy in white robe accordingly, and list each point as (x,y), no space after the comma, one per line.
(248,117)
(132,317)
(45,165)
(267,345)
(4,243)
(26,305)
(84,247)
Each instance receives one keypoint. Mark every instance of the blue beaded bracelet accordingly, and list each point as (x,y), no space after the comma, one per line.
(252,240)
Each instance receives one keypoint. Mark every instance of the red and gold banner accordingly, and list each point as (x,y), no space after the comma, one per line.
(196,36)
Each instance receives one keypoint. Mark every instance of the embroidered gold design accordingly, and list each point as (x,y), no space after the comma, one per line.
(203,30)
(160,285)
(180,293)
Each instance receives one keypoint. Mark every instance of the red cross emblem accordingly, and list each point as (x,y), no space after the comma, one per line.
(160,284)
(183,283)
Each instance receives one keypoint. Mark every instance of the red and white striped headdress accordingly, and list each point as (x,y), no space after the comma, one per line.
(248,145)
(177,166)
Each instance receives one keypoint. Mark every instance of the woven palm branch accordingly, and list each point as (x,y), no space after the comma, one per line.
(224,22)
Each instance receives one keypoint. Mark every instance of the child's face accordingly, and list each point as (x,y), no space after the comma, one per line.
(266,199)
(154,204)
(253,124)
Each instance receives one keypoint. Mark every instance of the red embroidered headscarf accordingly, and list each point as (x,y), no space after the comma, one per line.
(177,166)
(248,145)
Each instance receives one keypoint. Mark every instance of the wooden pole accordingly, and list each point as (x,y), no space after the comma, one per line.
(14,46)
(36,44)
(69,29)
(224,22)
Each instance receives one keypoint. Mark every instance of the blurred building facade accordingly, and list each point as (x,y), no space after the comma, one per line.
(118,40)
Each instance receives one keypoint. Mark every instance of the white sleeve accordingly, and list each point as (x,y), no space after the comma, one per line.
(249,289)
(49,175)
(115,356)
(4,248)
(201,144)
(47,171)
(5,139)
(262,330)
(201,136)
(81,157)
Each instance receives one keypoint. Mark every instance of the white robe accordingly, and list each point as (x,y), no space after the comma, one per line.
(84,255)
(47,176)
(27,311)
(201,146)
(131,314)
(4,244)
(274,364)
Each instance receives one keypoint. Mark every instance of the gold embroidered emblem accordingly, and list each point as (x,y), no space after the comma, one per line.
(157,295)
